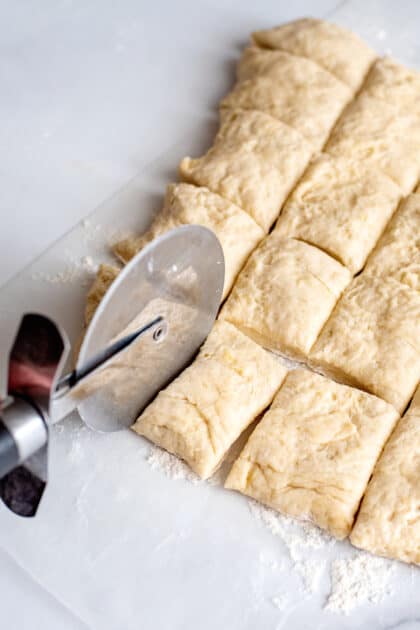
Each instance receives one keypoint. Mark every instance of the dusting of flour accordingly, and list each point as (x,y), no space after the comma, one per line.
(354,580)
(296,535)
(358,579)
(169,465)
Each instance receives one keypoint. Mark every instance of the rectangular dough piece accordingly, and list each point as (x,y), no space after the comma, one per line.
(372,339)
(397,253)
(379,135)
(255,162)
(105,276)
(313,452)
(336,49)
(202,412)
(388,523)
(285,294)
(304,96)
(341,207)
(186,204)
(392,82)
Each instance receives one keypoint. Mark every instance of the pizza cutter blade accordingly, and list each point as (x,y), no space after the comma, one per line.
(177,279)
(149,325)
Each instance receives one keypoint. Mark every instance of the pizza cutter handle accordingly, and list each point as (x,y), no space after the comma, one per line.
(9,454)
(23,432)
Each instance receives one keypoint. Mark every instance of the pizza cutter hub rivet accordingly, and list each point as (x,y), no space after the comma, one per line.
(160,332)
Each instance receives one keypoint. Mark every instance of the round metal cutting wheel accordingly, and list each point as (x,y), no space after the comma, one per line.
(178,280)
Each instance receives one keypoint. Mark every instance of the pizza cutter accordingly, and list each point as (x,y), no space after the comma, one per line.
(149,325)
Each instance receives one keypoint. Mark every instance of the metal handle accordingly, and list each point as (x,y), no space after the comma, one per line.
(23,433)
(9,454)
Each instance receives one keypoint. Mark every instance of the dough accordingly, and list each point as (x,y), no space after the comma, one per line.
(313,452)
(105,276)
(382,136)
(341,207)
(307,98)
(285,294)
(203,411)
(393,83)
(281,67)
(187,204)
(334,48)
(397,253)
(255,162)
(372,339)
(388,523)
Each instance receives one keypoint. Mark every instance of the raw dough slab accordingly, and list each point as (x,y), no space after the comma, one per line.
(305,97)
(285,294)
(336,49)
(313,452)
(255,162)
(186,204)
(388,523)
(372,339)
(380,135)
(394,83)
(397,253)
(105,276)
(203,411)
(341,207)
(281,66)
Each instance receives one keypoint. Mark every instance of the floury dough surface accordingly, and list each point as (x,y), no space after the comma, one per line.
(300,94)
(255,162)
(388,523)
(187,204)
(336,49)
(285,294)
(203,411)
(105,276)
(397,253)
(380,135)
(340,206)
(372,339)
(313,452)
(393,83)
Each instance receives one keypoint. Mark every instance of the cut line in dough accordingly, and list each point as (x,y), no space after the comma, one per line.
(336,49)
(313,452)
(187,204)
(397,253)
(285,294)
(372,339)
(393,83)
(255,162)
(388,523)
(305,97)
(202,412)
(380,135)
(340,206)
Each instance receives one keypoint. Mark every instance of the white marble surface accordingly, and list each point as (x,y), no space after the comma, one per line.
(92,92)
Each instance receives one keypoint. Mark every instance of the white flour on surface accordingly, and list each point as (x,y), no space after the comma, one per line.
(96,232)
(354,580)
(358,579)
(76,271)
(296,535)
(169,465)
(311,572)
